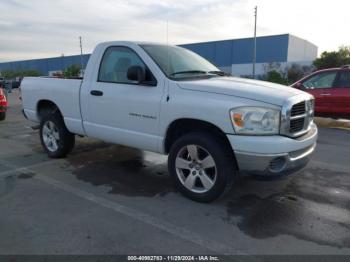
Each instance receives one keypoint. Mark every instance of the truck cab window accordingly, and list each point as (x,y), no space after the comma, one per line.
(115,64)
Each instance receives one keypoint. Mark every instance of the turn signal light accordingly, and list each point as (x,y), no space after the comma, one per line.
(237,118)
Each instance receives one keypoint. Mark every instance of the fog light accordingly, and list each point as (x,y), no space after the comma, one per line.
(277,164)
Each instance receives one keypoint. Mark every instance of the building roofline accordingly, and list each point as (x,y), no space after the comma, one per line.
(233,39)
(38,59)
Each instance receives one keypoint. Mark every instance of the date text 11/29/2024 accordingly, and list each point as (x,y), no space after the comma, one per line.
(173,258)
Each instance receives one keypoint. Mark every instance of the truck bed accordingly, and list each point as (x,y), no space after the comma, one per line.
(63,92)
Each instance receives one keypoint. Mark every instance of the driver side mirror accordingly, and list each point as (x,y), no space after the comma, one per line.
(136,73)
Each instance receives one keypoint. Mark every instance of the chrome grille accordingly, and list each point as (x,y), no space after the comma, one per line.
(297,116)
(298,109)
(296,125)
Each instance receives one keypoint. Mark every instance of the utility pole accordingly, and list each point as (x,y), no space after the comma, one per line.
(81,56)
(254,52)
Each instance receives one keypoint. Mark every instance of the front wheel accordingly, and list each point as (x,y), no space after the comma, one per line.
(202,166)
(55,138)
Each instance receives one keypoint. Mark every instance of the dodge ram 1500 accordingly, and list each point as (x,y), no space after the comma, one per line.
(169,100)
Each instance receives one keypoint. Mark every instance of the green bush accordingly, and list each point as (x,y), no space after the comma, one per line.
(72,71)
(276,77)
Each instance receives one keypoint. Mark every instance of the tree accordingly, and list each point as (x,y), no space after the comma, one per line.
(72,71)
(334,58)
(285,75)
(295,72)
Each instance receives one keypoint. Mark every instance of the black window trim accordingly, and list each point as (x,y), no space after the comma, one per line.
(150,83)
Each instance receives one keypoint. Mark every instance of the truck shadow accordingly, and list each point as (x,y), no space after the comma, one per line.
(126,171)
(313,205)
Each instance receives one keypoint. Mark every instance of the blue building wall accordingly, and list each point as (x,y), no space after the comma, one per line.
(222,53)
(45,65)
(240,51)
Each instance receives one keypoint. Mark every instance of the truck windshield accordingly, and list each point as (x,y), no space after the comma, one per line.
(178,63)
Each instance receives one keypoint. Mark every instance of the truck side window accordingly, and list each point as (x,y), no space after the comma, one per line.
(322,80)
(115,64)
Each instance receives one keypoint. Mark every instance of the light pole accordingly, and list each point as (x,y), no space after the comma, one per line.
(254,52)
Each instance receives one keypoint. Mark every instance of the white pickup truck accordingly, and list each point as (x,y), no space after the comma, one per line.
(169,100)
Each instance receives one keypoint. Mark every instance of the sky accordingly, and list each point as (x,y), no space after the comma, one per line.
(32,29)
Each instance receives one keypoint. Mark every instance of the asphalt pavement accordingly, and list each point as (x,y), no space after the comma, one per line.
(109,199)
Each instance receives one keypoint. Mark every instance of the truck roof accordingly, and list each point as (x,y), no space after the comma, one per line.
(130,43)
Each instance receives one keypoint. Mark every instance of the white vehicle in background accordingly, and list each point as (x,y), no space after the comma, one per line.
(169,100)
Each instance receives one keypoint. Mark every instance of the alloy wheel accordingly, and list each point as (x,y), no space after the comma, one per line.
(196,168)
(50,136)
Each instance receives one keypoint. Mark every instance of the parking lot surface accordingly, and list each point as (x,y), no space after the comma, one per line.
(109,199)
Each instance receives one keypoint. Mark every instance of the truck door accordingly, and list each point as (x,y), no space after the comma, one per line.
(122,111)
(321,87)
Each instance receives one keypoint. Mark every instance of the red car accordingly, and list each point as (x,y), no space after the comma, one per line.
(3,105)
(331,89)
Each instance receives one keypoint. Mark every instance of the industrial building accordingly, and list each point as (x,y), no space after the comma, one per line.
(233,56)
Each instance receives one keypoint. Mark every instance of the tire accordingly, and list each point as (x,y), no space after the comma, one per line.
(52,128)
(2,116)
(208,183)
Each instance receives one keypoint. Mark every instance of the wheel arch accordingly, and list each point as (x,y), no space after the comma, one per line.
(183,126)
(46,105)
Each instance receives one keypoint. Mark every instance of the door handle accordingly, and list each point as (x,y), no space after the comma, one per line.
(96,93)
(325,94)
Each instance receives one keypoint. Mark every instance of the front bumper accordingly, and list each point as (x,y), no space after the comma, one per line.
(273,155)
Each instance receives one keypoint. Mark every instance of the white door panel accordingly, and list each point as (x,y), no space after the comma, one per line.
(125,113)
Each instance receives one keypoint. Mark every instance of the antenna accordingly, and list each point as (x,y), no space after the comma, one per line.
(81,56)
(167,32)
(254,52)
(168,57)
(167,44)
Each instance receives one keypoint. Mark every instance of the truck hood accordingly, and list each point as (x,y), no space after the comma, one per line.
(246,88)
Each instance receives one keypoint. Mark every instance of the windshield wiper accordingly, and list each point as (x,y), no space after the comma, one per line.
(220,73)
(189,72)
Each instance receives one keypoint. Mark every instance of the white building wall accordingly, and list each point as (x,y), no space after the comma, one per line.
(262,68)
(247,69)
(301,50)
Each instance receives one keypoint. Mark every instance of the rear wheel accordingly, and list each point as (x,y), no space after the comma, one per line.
(201,166)
(55,138)
(2,116)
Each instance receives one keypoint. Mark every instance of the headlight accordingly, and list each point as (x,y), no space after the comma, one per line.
(255,120)
(310,106)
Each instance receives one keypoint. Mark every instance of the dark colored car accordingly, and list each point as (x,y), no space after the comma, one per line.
(331,89)
(3,104)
